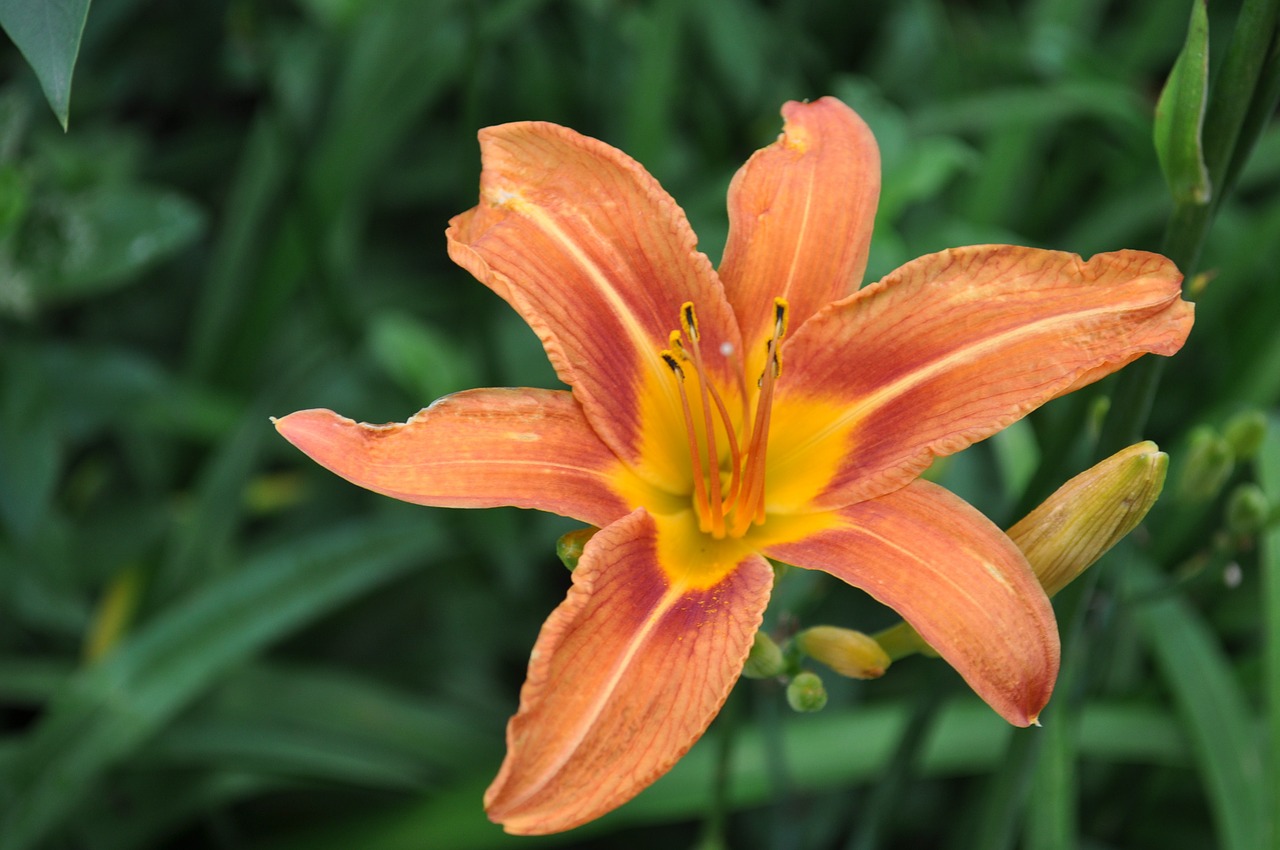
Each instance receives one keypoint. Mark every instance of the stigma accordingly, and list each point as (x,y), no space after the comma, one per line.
(728,481)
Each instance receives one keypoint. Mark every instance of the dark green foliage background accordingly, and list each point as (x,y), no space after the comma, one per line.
(246,218)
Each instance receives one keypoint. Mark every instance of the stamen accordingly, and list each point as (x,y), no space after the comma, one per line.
(730,510)
(750,506)
(735,455)
(779,319)
(674,364)
(689,321)
(735,451)
(699,486)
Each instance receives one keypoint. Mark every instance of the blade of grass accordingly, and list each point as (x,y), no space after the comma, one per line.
(1210,701)
(275,747)
(186,798)
(1051,823)
(107,710)
(1237,91)
(967,738)
(440,736)
(893,784)
(1269,474)
(254,195)
(656,88)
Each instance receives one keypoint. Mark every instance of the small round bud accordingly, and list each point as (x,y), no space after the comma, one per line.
(1245,432)
(846,651)
(1248,510)
(805,693)
(1208,464)
(766,660)
(570,545)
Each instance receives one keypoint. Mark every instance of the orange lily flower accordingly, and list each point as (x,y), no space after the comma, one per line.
(768,410)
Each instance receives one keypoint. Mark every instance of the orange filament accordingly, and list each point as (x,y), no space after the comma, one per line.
(722,513)
(752,502)
(699,486)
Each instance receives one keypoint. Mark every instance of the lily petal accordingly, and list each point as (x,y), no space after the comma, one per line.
(800,217)
(956,578)
(598,259)
(475,449)
(951,348)
(626,675)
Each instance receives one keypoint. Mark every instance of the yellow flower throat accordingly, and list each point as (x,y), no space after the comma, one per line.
(725,509)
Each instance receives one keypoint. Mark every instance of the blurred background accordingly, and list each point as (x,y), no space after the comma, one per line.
(206,641)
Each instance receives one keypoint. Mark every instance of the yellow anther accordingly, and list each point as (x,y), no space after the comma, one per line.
(689,320)
(671,362)
(780,309)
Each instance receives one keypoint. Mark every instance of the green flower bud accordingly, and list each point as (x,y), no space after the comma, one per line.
(765,660)
(846,651)
(1089,514)
(1248,510)
(900,640)
(569,547)
(1245,432)
(805,693)
(1208,465)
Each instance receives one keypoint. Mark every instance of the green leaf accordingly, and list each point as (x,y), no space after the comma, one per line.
(1211,702)
(319,724)
(1268,465)
(107,237)
(31,451)
(423,360)
(831,750)
(1180,115)
(107,710)
(48,34)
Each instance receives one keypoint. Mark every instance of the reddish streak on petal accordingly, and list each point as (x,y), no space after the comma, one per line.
(475,449)
(954,346)
(800,217)
(953,576)
(626,675)
(598,259)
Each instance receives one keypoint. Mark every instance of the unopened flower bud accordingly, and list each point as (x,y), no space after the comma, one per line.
(1245,432)
(846,651)
(570,545)
(805,693)
(766,660)
(1089,514)
(1248,510)
(1208,465)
